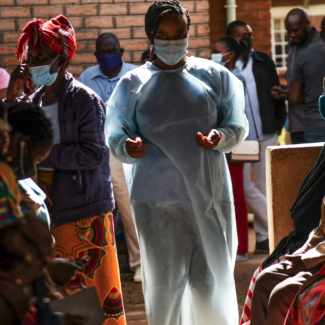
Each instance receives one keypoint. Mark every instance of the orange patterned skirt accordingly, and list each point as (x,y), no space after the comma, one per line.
(92,237)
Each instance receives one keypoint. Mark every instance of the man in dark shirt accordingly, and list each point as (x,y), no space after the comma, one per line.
(302,35)
(306,87)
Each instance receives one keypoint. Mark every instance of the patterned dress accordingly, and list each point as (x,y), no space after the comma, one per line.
(94,238)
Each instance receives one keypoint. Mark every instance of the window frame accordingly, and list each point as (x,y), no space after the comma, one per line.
(283,43)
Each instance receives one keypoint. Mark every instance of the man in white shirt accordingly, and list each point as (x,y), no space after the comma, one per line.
(103,78)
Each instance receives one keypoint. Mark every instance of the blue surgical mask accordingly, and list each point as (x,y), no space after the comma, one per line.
(171,51)
(217,58)
(41,75)
(109,61)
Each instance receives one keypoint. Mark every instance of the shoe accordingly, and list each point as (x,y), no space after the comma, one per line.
(137,275)
(262,247)
(241,257)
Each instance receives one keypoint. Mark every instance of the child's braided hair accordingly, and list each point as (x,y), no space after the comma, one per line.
(29,119)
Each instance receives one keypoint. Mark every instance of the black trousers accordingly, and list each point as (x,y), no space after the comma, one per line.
(297,137)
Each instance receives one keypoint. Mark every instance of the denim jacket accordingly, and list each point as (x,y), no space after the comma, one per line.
(82,185)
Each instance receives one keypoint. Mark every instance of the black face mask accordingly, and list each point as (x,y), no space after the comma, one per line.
(23,166)
(249,41)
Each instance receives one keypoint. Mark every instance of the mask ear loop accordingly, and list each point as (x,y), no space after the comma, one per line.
(54,61)
(227,60)
(226,53)
(22,145)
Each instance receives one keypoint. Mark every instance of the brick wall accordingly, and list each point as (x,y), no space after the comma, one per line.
(90,18)
(255,12)
(295,3)
(316,21)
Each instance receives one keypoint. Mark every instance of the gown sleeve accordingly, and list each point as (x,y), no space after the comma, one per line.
(121,112)
(232,121)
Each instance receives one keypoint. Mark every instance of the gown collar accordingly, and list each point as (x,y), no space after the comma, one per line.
(151,66)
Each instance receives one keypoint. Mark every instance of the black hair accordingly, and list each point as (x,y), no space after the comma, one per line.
(30,120)
(145,55)
(109,35)
(148,55)
(240,48)
(233,25)
(157,10)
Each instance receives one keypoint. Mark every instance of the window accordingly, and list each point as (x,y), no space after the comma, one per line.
(280,43)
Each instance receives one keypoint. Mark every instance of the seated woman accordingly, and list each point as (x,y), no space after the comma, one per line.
(184,113)
(28,143)
(25,248)
(28,194)
(26,242)
(277,286)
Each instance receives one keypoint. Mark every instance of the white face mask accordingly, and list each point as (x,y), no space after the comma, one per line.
(171,51)
(41,75)
(217,57)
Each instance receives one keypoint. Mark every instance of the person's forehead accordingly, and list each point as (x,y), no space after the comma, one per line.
(244,29)
(173,19)
(108,43)
(293,22)
(220,47)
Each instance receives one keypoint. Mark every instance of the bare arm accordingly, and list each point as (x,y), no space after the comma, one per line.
(296,92)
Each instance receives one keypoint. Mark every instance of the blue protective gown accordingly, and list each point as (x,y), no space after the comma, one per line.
(180,193)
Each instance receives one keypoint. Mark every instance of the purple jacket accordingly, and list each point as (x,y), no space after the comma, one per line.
(82,185)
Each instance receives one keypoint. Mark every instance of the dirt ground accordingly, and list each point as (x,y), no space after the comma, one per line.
(133,297)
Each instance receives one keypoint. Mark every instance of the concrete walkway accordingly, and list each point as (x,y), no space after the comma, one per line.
(133,298)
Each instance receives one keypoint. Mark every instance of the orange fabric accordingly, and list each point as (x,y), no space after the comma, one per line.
(94,238)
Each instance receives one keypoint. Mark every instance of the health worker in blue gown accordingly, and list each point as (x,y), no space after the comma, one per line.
(185,113)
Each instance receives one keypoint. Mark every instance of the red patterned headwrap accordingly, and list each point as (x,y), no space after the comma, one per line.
(57,33)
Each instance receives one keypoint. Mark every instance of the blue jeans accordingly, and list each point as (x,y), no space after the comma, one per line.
(315,136)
